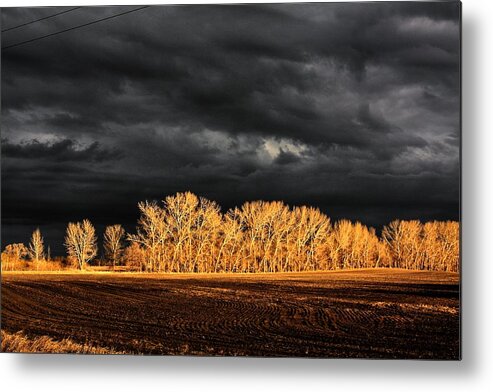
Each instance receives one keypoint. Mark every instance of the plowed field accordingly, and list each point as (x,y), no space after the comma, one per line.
(366,313)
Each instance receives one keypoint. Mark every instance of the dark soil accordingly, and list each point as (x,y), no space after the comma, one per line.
(355,314)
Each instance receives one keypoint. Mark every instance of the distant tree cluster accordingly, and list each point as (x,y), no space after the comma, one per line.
(13,257)
(187,233)
(432,246)
(33,257)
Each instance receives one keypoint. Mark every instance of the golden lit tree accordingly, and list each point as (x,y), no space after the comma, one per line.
(152,233)
(411,243)
(228,250)
(279,222)
(134,257)
(181,217)
(113,243)
(205,237)
(341,246)
(81,242)
(36,247)
(393,237)
(252,216)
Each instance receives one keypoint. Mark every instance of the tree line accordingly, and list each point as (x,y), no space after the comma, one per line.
(186,233)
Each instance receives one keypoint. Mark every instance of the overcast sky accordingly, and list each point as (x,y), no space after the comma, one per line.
(352,108)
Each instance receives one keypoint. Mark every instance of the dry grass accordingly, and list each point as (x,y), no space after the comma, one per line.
(44,265)
(40,266)
(20,343)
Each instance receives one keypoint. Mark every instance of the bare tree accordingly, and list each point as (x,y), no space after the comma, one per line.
(151,235)
(229,243)
(113,243)
(182,219)
(393,237)
(36,247)
(81,242)
(342,237)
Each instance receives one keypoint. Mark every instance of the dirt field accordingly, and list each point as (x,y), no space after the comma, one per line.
(372,313)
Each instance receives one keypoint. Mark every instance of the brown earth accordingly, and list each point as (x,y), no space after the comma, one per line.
(364,313)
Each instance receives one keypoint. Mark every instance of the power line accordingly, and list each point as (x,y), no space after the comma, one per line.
(73,28)
(40,19)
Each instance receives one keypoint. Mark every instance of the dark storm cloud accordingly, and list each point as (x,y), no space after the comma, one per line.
(350,107)
(60,151)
